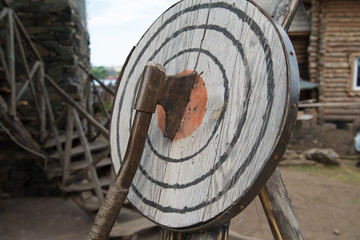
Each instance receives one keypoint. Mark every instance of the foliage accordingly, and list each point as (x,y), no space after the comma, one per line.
(108,106)
(99,72)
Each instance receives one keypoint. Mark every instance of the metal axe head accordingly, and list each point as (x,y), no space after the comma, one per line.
(174,98)
(171,92)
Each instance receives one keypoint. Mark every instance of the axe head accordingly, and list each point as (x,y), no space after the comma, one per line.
(174,98)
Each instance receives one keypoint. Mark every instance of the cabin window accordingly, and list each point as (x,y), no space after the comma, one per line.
(356,74)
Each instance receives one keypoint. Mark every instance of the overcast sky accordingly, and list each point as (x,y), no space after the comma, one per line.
(115,26)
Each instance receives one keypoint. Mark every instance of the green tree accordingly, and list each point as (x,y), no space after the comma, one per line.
(99,72)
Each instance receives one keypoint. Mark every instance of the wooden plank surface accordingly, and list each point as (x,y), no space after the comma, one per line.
(79,150)
(54,171)
(78,187)
(192,180)
(52,142)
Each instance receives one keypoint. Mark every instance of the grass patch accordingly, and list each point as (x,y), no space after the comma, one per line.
(341,174)
(108,106)
(354,201)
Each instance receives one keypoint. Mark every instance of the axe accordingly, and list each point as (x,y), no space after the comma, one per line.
(173,94)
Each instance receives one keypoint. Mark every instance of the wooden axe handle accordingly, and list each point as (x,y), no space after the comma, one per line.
(148,95)
(108,212)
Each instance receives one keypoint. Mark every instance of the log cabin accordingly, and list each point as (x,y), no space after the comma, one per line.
(326,38)
(334,58)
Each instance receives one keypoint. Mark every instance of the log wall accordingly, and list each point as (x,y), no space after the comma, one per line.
(335,36)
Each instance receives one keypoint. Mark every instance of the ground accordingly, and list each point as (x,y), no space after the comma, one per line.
(326,201)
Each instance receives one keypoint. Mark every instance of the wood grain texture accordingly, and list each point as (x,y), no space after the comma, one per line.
(277,203)
(240,55)
(218,233)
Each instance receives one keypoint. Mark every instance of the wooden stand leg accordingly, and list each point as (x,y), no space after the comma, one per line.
(212,234)
(279,210)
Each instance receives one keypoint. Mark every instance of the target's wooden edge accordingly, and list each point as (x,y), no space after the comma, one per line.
(279,150)
(283,140)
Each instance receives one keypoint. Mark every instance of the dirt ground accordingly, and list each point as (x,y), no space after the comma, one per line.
(326,201)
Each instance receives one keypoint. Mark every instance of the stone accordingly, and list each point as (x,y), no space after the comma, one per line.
(55,71)
(61,28)
(324,156)
(42,51)
(291,155)
(65,50)
(336,232)
(50,44)
(73,88)
(64,35)
(36,30)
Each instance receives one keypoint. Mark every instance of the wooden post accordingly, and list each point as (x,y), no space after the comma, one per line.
(96,159)
(274,198)
(81,110)
(218,233)
(11,63)
(96,79)
(68,145)
(26,37)
(4,64)
(101,102)
(283,11)
(89,108)
(3,13)
(30,75)
(16,128)
(42,102)
(88,156)
(51,119)
(279,210)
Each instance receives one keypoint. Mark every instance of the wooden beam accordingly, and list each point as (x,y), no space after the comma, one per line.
(274,197)
(41,101)
(5,67)
(283,11)
(96,159)
(88,156)
(212,234)
(89,109)
(3,13)
(279,210)
(107,114)
(26,37)
(27,82)
(11,63)
(92,77)
(81,110)
(16,128)
(329,104)
(52,120)
(68,145)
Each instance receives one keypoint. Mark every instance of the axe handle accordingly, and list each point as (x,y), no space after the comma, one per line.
(108,212)
(150,88)
(118,190)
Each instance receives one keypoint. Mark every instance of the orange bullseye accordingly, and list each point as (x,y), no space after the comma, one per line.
(194,113)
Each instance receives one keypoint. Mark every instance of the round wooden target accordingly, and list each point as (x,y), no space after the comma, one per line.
(250,78)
